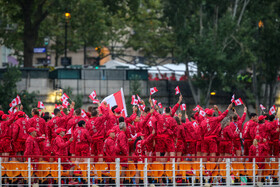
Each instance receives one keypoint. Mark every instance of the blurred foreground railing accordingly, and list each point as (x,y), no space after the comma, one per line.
(226,171)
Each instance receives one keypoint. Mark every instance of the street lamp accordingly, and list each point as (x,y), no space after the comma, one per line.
(67,17)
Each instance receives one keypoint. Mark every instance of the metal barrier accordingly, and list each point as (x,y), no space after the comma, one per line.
(150,172)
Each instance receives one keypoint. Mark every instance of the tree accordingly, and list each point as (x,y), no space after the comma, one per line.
(27,16)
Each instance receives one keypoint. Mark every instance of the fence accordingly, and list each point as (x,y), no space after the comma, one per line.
(151,171)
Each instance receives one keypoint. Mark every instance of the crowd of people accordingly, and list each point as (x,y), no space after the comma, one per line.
(148,132)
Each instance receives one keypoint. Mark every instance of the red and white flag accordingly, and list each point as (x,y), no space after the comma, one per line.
(134,101)
(56,106)
(154,101)
(53,115)
(12,111)
(139,99)
(65,104)
(141,107)
(153,90)
(26,117)
(83,113)
(177,90)
(69,131)
(262,107)
(272,110)
(64,97)
(116,99)
(197,108)
(95,101)
(238,102)
(183,107)
(160,105)
(232,98)
(202,113)
(163,110)
(40,104)
(92,96)
(16,101)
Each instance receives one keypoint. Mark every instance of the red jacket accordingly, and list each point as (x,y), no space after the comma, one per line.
(39,124)
(31,147)
(174,109)
(258,130)
(57,122)
(246,129)
(122,147)
(60,146)
(258,150)
(273,135)
(227,134)
(73,122)
(166,125)
(180,134)
(140,147)
(210,125)
(111,122)
(81,136)
(96,125)
(143,124)
(109,149)
(6,127)
(190,132)
(198,117)
(237,126)
(20,128)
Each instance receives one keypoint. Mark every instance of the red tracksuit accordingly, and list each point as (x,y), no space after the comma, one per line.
(6,135)
(258,150)
(32,147)
(60,148)
(96,128)
(57,122)
(273,137)
(248,140)
(122,148)
(147,124)
(73,125)
(39,124)
(20,134)
(82,140)
(226,137)
(109,149)
(166,133)
(181,138)
(209,128)
(140,148)
(237,127)
(258,130)
(191,137)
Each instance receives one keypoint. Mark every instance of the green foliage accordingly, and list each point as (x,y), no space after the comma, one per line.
(29,101)
(8,90)
(78,99)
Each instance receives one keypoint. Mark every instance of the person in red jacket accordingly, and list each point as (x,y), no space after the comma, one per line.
(6,135)
(82,140)
(273,131)
(60,148)
(236,126)
(20,134)
(109,146)
(191,135)
(58,121)
(73,125)
(139,146)
(172,77)
(248,140)
(181,138)
(113,119)
(209,127)
(258,149)
(96,128)
(259,129)
(226,137)
(32,146)
(122,148)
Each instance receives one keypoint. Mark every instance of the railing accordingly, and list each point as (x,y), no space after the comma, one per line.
(151,171)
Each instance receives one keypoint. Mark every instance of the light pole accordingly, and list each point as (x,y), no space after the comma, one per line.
(67,17)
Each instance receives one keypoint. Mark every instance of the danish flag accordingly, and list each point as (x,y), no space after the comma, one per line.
(92,96)
(40,104)
(232,98)
(153,90)
(238,102)
(262,107)
(177,90)
(64,97)
(160,105)
(272,110)
(183,106)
